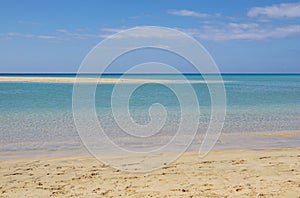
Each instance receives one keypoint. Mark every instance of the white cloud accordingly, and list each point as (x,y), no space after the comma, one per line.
(45,37)
(222,32)
(9,35)
(213,32)
(113,30)
(243,25)
(276,11)
(190,13)
(62,30)
(145,33)
(243,32)
(66,35)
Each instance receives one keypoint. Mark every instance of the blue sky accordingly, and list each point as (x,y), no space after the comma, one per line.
(242,36)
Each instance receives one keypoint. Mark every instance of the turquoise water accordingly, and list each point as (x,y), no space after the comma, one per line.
(38,117)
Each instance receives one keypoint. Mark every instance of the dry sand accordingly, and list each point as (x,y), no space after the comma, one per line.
(227,173)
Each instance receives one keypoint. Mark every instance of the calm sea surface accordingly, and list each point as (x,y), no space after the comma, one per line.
(37,117)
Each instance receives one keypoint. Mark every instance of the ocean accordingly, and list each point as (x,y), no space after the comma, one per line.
(37,118)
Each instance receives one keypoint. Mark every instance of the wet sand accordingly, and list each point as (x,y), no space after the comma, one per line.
(223,173)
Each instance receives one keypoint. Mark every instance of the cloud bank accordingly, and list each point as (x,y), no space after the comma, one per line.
(286,10)
(243,32)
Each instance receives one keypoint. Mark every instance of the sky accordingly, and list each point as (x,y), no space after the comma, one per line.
(249,36)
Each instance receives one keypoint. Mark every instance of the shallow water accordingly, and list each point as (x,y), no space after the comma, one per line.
(37,117)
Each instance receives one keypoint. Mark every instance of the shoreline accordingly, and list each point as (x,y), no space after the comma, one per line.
(227,141)
(233,173)
(99,80)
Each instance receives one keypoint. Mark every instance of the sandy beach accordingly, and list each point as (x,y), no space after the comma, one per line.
(143,99)
(224,173)
(97,80)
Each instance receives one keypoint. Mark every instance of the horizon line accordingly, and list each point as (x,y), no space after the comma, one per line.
(189,73)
